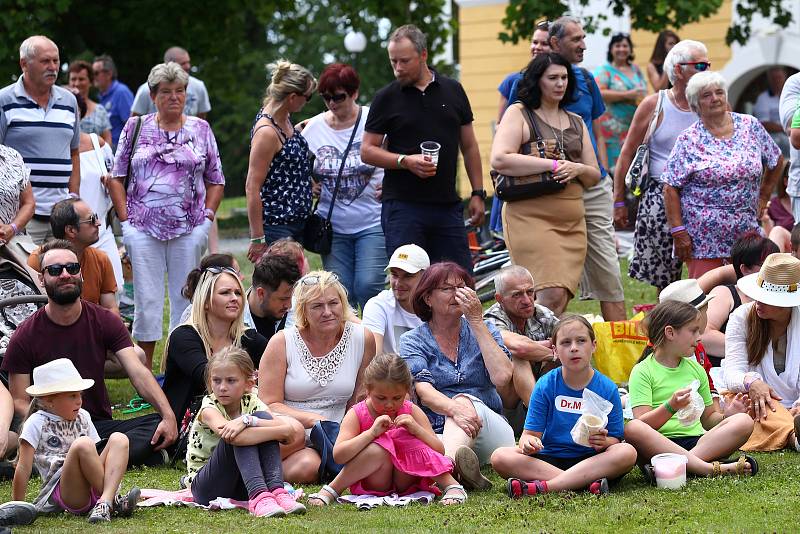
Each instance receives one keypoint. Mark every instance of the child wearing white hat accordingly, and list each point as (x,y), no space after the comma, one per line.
(59,438)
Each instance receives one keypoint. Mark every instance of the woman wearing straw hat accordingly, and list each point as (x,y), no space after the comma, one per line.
(762,352)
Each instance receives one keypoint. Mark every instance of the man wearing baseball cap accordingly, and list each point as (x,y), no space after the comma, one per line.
(390,313)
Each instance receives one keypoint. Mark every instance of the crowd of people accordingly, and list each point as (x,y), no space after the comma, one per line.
(325,377)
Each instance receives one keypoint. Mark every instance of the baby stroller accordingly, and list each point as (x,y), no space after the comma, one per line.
(20,294)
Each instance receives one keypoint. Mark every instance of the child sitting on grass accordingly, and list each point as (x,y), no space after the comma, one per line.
(547,458)
(58,437)
(233,446)
(387,444)
(659,388)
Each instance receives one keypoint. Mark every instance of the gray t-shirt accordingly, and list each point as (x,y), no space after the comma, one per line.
(196,99)
(789,100)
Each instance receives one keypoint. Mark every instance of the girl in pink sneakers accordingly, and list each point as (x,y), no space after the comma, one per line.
(387,444)
(233,444)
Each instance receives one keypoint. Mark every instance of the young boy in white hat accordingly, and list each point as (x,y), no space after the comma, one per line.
(59,438)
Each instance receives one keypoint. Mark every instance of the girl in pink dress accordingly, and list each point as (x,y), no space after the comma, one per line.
(387,444)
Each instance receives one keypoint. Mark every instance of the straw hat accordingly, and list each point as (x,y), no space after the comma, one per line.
(687,291)
(58,376)
(776,284)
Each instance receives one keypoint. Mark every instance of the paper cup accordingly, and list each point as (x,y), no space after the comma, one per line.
(430,151)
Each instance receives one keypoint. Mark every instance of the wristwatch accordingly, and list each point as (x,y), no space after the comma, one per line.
(478,193)
(400,158)
(247,419)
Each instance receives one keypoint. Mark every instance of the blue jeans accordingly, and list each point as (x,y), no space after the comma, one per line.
(437,228)
(277,231)
(359,261)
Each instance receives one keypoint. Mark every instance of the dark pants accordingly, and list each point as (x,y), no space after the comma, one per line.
(437,228)
(140,431)
(239,472)
(278,231)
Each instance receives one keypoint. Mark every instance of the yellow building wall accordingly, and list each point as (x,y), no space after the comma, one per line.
(485,61)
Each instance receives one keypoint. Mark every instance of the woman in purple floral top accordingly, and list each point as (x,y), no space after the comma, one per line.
(175,186)
(714,191)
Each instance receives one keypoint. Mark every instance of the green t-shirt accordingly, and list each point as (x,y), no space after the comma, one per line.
(203,440)
(796,118)
(651,384)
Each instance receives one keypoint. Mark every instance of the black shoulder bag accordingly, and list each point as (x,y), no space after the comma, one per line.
(318,233)
(512,188)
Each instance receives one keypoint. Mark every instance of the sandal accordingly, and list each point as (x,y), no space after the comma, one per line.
(716,470)
(332,496)
(517,488)
(649,473)
(469,469)
(459,498)
(740,461)
(599,487)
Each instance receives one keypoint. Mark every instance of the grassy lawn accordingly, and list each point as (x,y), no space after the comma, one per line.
(768,502)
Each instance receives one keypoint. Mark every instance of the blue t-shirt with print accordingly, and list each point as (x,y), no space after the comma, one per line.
(555,408)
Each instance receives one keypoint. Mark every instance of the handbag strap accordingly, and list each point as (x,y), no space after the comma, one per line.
(654,120)
(100,161)
(137,129)
(529,118)
(341,167)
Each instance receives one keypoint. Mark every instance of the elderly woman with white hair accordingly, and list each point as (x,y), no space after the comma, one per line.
(653,261)
(719,177)
(167,185)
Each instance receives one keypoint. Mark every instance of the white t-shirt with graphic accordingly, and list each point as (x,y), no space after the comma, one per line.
(385,317)
(356,207)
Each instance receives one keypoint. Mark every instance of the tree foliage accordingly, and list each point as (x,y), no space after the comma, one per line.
(230,42)
(652,15)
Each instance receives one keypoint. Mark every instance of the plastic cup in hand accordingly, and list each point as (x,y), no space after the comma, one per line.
(430,151)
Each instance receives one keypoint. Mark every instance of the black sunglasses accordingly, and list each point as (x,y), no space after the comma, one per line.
(337,98)
(56,268)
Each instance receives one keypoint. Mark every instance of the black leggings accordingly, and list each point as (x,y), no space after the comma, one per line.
(239,472)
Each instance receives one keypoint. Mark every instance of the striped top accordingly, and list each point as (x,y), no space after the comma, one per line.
(44,137)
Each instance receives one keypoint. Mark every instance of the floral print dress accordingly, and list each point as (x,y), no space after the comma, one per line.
(718,182)
(614,123)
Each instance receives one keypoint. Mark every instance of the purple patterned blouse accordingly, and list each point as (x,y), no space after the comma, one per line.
(719,181)
(167,189)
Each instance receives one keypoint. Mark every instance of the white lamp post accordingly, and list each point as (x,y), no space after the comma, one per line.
(355,42)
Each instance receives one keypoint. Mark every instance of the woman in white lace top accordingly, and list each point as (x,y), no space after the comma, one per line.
(312,371)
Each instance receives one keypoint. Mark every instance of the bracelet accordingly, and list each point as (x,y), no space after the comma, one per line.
(210,214)
(669,408)
(677,229)
(750,383)
(619,204)
(14,227)
(555,165)
(258,240)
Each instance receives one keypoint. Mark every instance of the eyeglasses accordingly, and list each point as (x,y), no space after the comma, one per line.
(93,218)
(337,98)
(314,279)
(56,268)
(449,290)
(307,96)
(699,66)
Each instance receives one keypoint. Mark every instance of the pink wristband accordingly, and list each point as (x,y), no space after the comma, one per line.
(14,227)
(555,165)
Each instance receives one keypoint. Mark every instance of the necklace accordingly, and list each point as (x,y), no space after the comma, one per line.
(559,145)
(675,101)
(171,139)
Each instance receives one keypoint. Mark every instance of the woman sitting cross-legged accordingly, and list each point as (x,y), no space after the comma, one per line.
(387,444)
(666,418)
(547,458)
(459,363)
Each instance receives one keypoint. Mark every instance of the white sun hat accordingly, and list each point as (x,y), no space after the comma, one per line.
(776,284)
(687,291)
(58,376)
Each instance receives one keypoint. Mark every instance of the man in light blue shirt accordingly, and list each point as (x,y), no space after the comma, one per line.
(114,95)
(197,102)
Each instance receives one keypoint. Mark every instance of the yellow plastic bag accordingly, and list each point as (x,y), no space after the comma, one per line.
(619,347)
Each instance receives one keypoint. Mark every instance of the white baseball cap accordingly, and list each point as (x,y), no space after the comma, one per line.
(410,258)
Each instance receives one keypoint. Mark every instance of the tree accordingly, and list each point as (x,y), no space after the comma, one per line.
(651,15)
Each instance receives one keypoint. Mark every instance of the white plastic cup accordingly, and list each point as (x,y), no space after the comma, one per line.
(430,151)
(670,470)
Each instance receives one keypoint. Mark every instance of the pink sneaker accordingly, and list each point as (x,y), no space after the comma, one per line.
(287,502)
(264,505)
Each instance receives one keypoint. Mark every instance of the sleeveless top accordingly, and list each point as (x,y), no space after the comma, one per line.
(573,146)
(286,192)
(673,123)
(737,301)
(323,385)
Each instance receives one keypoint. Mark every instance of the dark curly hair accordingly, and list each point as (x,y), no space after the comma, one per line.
(529,91)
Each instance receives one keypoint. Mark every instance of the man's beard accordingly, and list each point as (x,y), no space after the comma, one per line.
(63,296)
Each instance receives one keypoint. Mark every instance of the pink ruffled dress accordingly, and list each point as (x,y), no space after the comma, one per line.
(409,454)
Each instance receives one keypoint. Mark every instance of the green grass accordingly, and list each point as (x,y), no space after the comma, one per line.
(768,502)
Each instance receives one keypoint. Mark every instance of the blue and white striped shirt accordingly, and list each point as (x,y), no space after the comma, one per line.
(44,137)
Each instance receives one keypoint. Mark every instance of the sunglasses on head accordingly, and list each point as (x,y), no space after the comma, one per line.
(56,268)
(699,66)
(544,25)
(220,270)
(314,279)
(337,98)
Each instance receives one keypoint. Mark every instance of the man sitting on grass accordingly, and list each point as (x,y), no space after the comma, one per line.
(85,333)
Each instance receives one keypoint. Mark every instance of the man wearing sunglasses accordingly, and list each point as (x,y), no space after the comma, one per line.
(85,333)
(73,220)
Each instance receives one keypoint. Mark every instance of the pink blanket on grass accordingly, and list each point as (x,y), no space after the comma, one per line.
(157,497)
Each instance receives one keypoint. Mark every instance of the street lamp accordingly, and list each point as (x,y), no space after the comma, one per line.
(355,42)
